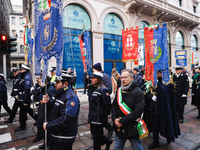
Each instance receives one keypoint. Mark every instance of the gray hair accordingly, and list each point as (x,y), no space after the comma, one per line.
(129,71)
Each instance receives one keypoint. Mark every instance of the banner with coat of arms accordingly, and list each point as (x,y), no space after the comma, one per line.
(48,35)
(156,53)
(130,44)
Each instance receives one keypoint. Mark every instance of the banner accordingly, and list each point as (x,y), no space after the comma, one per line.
(30,44)
(85,49)
(194,57)
(130,44)
(48,35)
(82,44)
(156,54)
(148,36)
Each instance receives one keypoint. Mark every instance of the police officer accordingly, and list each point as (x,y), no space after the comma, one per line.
(53,74)
(3,94)
(24,95)
(181,86)
(99,109)
(63,110)
(15,94)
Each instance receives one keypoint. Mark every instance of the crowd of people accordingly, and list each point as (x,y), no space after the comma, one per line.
(161,105)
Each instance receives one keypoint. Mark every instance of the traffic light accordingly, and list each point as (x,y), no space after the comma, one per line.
(3,43)
(12,45)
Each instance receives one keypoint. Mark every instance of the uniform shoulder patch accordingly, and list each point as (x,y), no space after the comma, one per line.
(72,103)
(107,94)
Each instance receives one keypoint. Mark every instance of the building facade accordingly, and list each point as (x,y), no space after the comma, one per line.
(17,30)
(5,10)
(106,18)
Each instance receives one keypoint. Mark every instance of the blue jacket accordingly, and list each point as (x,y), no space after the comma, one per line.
(63,116)
(3,91)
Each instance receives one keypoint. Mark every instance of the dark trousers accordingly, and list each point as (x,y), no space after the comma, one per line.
(61,146)
(154,128)
(5,106)
(15,107)
(85,87)
(180,110)
(98,136)
(40,121)
(23,114)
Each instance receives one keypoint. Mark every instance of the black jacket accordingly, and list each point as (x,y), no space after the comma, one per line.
(134,99)
(15,89)
(3,91)
(181,86)
(99,104)
(63,117)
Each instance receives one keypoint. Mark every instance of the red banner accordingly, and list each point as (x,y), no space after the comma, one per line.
(82,51)
(130,44)
(149,66)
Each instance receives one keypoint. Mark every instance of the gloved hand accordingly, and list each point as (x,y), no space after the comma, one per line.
(184,95)
(154,98)
(25,104)
(192,94)
(32,97)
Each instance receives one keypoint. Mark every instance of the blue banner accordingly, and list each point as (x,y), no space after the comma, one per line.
(30,43)
(180,53)
(181,62)
(160,59)
(48,35)
(88,58)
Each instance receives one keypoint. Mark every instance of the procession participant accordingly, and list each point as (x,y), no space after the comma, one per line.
(3,94)
(196,91)
(106,79)
(163,115)
(137,77)
(86,80)
(53,74)
(181,86)
(41,108)
(127,107)
(63,109)
(99,109)
(115,80)
(24,95)
(15,94)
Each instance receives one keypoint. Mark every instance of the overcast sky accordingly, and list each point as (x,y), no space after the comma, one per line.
(16,2)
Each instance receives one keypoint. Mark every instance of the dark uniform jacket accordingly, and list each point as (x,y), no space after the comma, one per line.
(107,82)
(99,104)
(3,91)
(196,90)
(24,88)
(15,89)
(181,86)
(63,116)
(134,99)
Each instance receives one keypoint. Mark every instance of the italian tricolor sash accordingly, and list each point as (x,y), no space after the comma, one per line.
(114,81)
(123,107)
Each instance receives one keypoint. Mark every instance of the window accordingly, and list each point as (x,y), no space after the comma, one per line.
(21,48)
(194,9)
(179,41)
(180,3)
(13,20)
(21,34)
(13,32)
(14,65)
(20,20)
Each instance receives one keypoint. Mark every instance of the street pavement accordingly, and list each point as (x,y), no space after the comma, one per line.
(10,140)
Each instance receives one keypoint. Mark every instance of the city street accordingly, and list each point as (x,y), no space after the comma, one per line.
(189,139)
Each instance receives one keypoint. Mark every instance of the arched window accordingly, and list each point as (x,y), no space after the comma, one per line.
(75,18)
(112,27)
(179,41)
(194,43)
(141,31)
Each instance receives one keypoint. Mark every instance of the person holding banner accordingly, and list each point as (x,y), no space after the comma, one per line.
(115,80)
(196,91)
(63,110)
(99,109)
(127,107)
(181,86)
